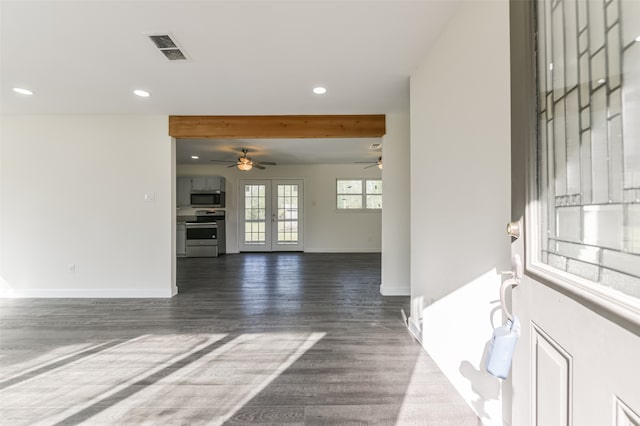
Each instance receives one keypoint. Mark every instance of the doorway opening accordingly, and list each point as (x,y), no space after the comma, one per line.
(267,213)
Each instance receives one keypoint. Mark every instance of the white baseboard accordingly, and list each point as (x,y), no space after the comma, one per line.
(415,329)
(88,294)
(394,291)
(331,250)
(345,250)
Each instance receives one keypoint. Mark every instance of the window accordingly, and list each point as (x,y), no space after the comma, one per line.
(588,147)
(359,194)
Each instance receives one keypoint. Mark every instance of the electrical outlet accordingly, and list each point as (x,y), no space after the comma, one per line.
(149,197)
(72,267)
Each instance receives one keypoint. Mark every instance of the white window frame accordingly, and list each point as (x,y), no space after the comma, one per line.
(363,194)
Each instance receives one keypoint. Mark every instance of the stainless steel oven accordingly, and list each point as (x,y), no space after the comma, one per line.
(202,239)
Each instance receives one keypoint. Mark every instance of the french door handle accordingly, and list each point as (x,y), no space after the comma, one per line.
(273,218)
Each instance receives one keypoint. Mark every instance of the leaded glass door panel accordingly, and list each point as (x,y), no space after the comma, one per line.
(575,144)
(588,61)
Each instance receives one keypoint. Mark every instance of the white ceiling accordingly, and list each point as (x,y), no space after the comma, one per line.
(280,151)
(245,57)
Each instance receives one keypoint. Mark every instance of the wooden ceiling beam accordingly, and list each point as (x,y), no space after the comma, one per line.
(276,126)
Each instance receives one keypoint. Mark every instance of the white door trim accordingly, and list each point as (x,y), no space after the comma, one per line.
(270,221)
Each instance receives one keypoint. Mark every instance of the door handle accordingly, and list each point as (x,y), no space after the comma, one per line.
(516,268)
(513,229)
(511,282)
(514,280)
(273,218)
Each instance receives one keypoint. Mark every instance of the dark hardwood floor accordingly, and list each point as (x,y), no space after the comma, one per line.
(282,338)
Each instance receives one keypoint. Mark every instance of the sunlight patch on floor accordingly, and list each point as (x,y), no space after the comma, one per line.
(159,379)
(455,332)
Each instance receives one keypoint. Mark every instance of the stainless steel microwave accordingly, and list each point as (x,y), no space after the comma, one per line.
(207,198)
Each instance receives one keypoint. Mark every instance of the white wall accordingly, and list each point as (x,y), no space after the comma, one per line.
(72,190)
(396,201)
(325,228)
(460,196)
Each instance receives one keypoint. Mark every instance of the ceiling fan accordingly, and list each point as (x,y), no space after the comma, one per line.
(245,163)
(373,164)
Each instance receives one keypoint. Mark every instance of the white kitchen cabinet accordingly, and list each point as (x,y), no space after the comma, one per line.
(198,183)
(181,239)
(221,183)
(183,191)
(207,183)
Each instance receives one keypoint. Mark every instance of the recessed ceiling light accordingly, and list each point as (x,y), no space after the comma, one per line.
(602,80)
(638,38)
(319,90)
(195,157)
(141,93)
(22,91)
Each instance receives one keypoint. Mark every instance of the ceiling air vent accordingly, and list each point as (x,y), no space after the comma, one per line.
(375,147)
(168,47)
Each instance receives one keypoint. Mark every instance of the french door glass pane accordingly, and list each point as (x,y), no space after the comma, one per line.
(589,139)
(254,214)
(287,213)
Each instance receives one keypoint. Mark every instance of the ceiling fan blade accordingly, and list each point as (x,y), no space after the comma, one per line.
(365,162)
(222,161)
(373,165)
(233,165)
(268,163)
(258,166)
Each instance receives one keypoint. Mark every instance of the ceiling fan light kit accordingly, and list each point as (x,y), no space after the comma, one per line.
(245,163)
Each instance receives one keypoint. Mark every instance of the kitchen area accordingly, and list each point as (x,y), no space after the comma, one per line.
(201,224)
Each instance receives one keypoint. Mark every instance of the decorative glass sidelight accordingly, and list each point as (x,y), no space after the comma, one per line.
(588,67)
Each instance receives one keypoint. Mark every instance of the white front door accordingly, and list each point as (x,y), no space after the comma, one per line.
(576,190)
(271,215)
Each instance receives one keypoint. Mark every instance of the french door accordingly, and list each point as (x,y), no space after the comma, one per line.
(271,215)
(575,70)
